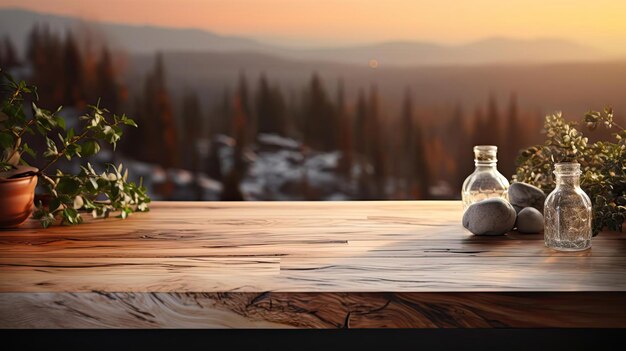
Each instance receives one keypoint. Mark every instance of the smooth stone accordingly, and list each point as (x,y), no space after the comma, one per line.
(529,220)
(522,195)
(493,216)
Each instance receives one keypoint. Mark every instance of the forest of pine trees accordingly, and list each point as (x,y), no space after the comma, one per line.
(408,156)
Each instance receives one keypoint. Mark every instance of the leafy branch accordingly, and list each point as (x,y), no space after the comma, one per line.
(74,193)
(603,164)
(98,128)
(69,194)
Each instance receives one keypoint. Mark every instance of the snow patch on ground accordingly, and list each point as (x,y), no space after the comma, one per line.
(278,168)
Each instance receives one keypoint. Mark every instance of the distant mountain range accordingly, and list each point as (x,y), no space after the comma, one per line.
(571,87)
(17,23)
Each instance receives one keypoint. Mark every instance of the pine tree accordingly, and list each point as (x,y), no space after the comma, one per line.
(232,182)
(421,172)
(344,135)
(221,113)
(8,54)
(220,122)
(493,122)
(150,122)
(243,97)
(460,148)
(191,130)
(137,136)
(2,64)
(480,130)
(407,146)
(319,117)
(513,139)
(374,134)
(414,166)
(360,146)
(73,92)
(239,126)
(33,44)
(279,108)
(45,54)
(263,108)
(107,90)
(271,108)
(160,124)
(359,124)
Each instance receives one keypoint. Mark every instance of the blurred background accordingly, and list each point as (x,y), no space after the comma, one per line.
(318,100)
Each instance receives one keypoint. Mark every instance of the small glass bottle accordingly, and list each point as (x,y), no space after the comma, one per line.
(486,181)
(567,211)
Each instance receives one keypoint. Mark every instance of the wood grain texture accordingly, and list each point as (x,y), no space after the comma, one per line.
(311,310)
(303,264)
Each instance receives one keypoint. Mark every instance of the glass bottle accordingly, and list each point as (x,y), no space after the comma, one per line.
(486,181)
(567,211)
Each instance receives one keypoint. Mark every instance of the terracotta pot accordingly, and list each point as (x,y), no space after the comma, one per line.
(16,200)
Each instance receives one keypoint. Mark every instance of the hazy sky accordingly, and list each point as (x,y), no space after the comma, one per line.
(600,23)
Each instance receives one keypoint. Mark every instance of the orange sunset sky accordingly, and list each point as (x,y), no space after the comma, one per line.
(598,23)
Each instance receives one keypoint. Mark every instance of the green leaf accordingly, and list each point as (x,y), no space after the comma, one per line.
(94,183)
(9,77)
(29,151)
(78,202)
(129,122)
(60,121)
(51,149)
(68,185)
(46,220)
(54,204)
(73,150)
(71,216)
(4,166)
(6,140)
(90,147)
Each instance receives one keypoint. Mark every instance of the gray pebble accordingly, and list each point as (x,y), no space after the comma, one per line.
(493,216)
(529,220)
(523,195)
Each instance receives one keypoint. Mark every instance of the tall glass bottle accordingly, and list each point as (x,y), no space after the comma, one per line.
(567,211)
(486,181)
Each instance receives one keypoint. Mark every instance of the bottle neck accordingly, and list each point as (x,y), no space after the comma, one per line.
(485,165)
(485,157)
(568,180)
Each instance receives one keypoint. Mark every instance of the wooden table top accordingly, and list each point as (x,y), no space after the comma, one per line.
(298,246)
(255,248)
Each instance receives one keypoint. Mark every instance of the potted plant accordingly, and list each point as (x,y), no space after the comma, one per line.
(67,195)
(17,181)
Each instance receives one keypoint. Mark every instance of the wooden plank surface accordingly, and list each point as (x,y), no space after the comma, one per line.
(251,264)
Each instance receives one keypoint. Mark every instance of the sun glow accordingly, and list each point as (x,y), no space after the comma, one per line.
(600,23)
